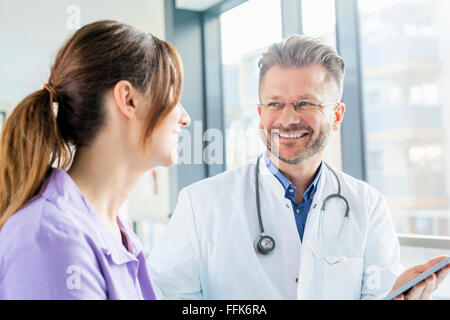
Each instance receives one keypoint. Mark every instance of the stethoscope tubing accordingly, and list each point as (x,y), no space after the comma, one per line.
(258,202)
(322,210)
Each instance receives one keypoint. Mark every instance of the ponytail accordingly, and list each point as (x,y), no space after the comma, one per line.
(29,144)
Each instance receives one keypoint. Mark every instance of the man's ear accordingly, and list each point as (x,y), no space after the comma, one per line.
(338,116)
(124,98)
(259,109)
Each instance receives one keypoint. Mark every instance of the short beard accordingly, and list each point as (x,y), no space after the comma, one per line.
(313,147)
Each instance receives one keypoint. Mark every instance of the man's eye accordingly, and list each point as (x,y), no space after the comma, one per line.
(274,104)
(305,104)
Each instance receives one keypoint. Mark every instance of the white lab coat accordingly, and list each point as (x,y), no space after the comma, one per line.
(207,251)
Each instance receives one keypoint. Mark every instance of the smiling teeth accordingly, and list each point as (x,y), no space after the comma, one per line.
(292,135)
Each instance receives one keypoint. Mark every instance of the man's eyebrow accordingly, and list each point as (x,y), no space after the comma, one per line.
(306,97)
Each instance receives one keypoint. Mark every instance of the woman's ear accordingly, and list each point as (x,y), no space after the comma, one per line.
(338,116)
(124,98)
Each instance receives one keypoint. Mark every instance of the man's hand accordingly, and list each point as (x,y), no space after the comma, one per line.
(425,288)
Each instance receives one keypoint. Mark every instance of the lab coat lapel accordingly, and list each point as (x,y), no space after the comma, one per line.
(325,187)
(307,283)
(270,180)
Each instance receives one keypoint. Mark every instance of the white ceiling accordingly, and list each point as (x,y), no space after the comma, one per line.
(196,5)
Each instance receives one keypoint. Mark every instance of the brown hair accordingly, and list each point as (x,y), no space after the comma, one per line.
(299,51)
(91,62)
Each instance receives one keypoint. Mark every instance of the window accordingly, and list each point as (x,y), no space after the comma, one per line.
(319,20)
(406,77)
(247,31)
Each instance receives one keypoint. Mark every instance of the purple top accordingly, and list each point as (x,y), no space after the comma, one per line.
(56,247)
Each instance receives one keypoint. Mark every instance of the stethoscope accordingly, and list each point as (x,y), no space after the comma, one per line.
(265,244)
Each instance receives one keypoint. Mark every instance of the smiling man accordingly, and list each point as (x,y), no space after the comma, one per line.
(287,225)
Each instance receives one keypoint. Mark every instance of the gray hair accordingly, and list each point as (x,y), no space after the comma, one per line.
(299,51)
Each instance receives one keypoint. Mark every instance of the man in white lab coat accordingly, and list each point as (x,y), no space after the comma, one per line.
(217,247)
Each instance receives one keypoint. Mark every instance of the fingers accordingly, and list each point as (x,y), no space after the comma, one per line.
(430,263)
(441,274)
(430,286)
(433,261)
(422,290)
(416,291)
(425,288)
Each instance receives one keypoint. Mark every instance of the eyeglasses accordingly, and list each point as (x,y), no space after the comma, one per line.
(298,106)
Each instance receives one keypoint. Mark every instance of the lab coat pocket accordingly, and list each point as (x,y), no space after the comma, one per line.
(343,280)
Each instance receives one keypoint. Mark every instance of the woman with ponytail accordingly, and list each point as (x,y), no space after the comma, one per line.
(70,154)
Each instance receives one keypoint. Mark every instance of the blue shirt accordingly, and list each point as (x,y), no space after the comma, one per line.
(301,210)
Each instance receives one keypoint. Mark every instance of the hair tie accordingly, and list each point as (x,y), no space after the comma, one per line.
(50,90)
(53,96)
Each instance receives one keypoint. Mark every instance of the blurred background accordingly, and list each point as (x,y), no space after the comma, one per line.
(397,55)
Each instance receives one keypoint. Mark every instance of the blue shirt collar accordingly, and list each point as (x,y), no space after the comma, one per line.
(289,188)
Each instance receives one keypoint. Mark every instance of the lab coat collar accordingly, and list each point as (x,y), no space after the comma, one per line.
(325,186)
(269,178)
(288,186)
(62,191)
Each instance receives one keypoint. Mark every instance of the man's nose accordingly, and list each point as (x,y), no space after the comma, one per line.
(288,115)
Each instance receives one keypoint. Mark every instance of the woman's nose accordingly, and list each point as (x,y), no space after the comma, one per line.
(185,120)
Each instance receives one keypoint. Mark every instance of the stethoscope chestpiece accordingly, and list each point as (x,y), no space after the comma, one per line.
(264,244)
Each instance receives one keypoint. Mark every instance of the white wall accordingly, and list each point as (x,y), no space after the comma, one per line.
(31,32)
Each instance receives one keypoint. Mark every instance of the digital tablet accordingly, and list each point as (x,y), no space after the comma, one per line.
(418,279)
